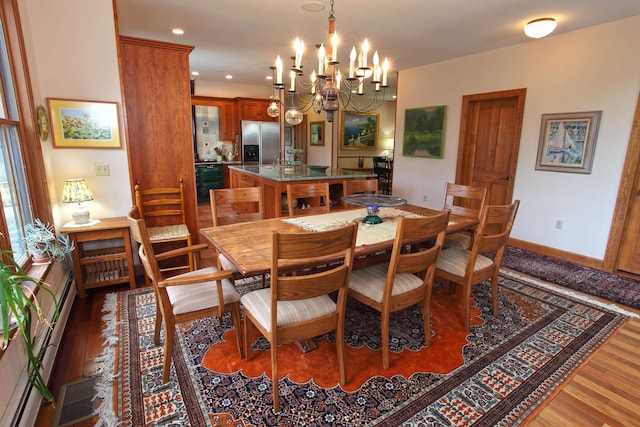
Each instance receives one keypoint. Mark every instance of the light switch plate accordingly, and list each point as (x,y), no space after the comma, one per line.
(102,169)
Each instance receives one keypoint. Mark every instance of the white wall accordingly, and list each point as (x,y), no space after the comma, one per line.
(72,53)
(597,68)
(229,89)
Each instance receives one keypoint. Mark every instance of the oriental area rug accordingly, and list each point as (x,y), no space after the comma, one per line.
(613,287)
(496,375)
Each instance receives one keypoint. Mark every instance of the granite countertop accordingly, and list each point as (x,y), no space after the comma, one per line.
(299,173)
(215,162)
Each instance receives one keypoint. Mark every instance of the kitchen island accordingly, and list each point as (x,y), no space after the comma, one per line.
(274,180)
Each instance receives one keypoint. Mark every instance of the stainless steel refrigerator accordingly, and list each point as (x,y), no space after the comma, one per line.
(260,142)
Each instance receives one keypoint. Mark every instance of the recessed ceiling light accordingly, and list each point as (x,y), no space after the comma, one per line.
(228,77)
(195,73)
(269,77)
(540,27)
(177,31)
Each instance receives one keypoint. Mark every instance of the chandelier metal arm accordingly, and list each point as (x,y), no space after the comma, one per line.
(323,90)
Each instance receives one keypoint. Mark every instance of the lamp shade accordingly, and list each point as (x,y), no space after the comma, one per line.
(539,28)
(76,191)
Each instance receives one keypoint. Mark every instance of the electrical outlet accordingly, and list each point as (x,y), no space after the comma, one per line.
(559,224)
(102,169)
(424,197)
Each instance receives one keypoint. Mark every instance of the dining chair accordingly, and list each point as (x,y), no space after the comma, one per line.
(384,169)
(163,210)
(231,206)
(189,296)
(407,278)
(468,267)
(359,186)
(298,305)
(313,196)
(463,200)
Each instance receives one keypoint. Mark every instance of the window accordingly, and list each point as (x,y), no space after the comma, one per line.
(15,132)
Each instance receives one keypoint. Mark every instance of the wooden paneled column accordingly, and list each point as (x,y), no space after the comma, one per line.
(157,111)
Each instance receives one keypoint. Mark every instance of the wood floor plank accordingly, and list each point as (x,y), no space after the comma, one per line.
(590,399)
(561,412)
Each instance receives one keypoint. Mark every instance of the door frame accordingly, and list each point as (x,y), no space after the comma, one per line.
(626,189)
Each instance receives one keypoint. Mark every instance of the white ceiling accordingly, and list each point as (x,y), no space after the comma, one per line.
(243,37)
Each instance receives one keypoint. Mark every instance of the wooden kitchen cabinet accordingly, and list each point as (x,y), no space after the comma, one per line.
(254,109)
(229,125)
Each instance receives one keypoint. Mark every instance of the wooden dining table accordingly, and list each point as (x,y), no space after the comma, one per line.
(248,244)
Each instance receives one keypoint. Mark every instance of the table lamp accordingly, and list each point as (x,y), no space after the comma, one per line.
(77,191)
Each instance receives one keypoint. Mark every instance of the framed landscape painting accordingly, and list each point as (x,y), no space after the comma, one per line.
(84,124)
(568,141)
(359,131)
(424,132)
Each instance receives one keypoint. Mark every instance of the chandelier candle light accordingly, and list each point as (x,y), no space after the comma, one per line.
(327,88)
(77,191)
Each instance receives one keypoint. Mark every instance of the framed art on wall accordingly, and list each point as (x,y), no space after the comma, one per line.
(568,141)
(84,124)
(359,130)
(317,133)
(424,132)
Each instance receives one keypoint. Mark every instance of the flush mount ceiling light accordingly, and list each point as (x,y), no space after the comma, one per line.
(540,27)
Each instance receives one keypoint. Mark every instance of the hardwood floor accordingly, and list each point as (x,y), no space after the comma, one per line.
(604,392)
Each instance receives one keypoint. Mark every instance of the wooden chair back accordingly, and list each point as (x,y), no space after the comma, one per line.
(412,231)
(140,235)
(233,205)
(383,167)
(311,250)
(496,222)
(314,196)
(465,200)
(359,186)
(161,206)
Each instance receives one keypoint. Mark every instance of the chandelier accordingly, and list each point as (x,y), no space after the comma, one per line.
(328,89)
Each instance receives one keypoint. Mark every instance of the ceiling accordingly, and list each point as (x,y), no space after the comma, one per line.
(243,37)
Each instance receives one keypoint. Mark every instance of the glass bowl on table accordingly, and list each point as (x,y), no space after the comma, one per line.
(373,203)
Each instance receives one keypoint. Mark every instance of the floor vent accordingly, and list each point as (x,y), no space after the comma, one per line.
(75,403)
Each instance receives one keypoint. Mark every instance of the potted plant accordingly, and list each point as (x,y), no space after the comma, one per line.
(43,244)
(18,305)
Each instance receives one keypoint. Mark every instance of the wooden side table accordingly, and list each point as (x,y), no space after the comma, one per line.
(95,268)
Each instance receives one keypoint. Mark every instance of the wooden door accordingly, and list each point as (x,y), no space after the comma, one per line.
(490,128)
(624,238)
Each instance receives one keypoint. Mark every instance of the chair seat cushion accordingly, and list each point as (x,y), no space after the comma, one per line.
(371,281)
(188,298)
(226,264)
(455,260)
(168,232)
(258,303)
(460,240)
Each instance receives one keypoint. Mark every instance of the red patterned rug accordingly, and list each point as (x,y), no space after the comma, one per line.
(496,375)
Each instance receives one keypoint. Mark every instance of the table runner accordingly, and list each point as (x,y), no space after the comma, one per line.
(368,234)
